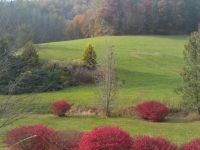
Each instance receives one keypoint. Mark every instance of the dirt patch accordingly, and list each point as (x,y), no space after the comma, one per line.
(177,112)
(129,111)
(80,110)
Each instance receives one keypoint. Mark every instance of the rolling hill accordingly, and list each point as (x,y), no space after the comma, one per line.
(150,66)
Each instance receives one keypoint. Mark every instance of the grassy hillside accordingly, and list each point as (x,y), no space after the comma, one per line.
(150,66)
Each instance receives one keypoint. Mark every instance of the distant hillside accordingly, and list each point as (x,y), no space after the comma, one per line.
(55,20)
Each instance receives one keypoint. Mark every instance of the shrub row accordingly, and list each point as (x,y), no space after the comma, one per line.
(50,76)
(40,137)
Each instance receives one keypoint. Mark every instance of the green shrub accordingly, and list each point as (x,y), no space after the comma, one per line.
(37,81)
(60,70)
(28,82)
(11,75)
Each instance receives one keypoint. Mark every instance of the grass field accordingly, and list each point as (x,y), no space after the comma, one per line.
(176,130)
(150,66)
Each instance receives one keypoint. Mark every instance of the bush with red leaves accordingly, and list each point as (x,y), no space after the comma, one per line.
(153,143)
(153,111)
(106,138)
(60,107)
(65,140)
(192,145)
(28,138)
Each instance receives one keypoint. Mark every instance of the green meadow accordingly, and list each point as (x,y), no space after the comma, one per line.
(150,66)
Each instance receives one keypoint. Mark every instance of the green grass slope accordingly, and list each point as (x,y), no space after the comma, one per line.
(150,66)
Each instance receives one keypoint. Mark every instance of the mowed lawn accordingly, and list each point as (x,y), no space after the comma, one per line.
(149,65)
(176,130)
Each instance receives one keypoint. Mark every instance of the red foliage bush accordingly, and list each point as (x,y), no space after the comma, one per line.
(65,140)
(155,143)
(192,145)
(28,138)
(60,107)
(152,110)
(106,138)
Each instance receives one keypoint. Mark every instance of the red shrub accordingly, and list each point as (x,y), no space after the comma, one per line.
(155,143)
(67,140)
(106,138)
(60,107)
(192,145)
(28,138)
(152,110)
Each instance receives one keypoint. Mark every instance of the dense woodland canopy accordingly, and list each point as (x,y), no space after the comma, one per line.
(54,20)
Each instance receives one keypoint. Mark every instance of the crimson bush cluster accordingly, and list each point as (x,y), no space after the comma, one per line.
(192,145)
(40,137)
(106,138)
(153,143)
(152,110)
(28,137)
(60,107)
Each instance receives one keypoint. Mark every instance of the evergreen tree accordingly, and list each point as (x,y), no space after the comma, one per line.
(89,55)
(29,55)
(191,72)
(3,46)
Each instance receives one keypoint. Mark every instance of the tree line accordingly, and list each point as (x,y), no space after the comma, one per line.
(55,20)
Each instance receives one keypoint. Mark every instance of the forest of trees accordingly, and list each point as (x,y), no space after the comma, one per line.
(54,20)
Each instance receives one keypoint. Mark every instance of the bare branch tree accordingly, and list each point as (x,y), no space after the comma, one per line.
(107,81)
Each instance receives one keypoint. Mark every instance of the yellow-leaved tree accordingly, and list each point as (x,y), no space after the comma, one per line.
(89,55)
